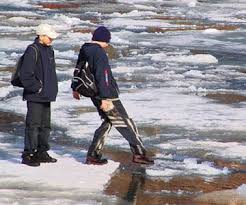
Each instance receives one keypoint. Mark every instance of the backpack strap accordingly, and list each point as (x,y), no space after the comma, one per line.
(36,51)
(79,68)
(81,65)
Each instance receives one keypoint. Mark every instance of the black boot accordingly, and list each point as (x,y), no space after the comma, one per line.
(30,160)
(44,157)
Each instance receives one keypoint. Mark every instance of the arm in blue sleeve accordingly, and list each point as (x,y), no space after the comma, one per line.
(102,74)
(27,74)
(81,58)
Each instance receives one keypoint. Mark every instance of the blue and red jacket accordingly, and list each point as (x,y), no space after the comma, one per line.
(97,59)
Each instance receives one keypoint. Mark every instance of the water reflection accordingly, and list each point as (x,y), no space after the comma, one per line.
(136,185)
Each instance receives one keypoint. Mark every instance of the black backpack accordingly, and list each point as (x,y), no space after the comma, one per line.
(83,81)
(15,78)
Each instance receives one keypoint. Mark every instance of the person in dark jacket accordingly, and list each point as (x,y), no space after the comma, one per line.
(107,102)
(38,76)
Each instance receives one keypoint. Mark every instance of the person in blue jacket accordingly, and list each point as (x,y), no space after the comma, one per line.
(38,76)
(107,102)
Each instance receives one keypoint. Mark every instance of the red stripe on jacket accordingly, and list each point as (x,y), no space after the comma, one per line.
(106,77)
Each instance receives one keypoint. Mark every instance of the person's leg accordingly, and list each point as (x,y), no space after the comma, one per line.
(127,128)
(44,134)
(94,154)
(43,137)
(33,123)
(125,125)
(118,117)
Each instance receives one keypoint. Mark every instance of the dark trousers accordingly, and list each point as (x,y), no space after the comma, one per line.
(117,117)
(38,128)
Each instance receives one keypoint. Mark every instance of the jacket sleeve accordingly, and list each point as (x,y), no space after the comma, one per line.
(103,75)
(27,74)
(81,58)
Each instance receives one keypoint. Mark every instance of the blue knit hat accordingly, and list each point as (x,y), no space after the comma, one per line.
(101,34)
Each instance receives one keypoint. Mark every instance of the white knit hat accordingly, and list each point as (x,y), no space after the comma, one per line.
(46,29)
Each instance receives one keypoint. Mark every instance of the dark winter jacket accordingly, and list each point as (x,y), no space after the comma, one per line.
(97,59)
(39,77)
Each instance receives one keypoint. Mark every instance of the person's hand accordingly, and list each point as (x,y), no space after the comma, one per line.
(106,105)
(76,95)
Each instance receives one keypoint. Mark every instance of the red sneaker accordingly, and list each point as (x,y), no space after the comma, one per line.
(96,161)
(141,159)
